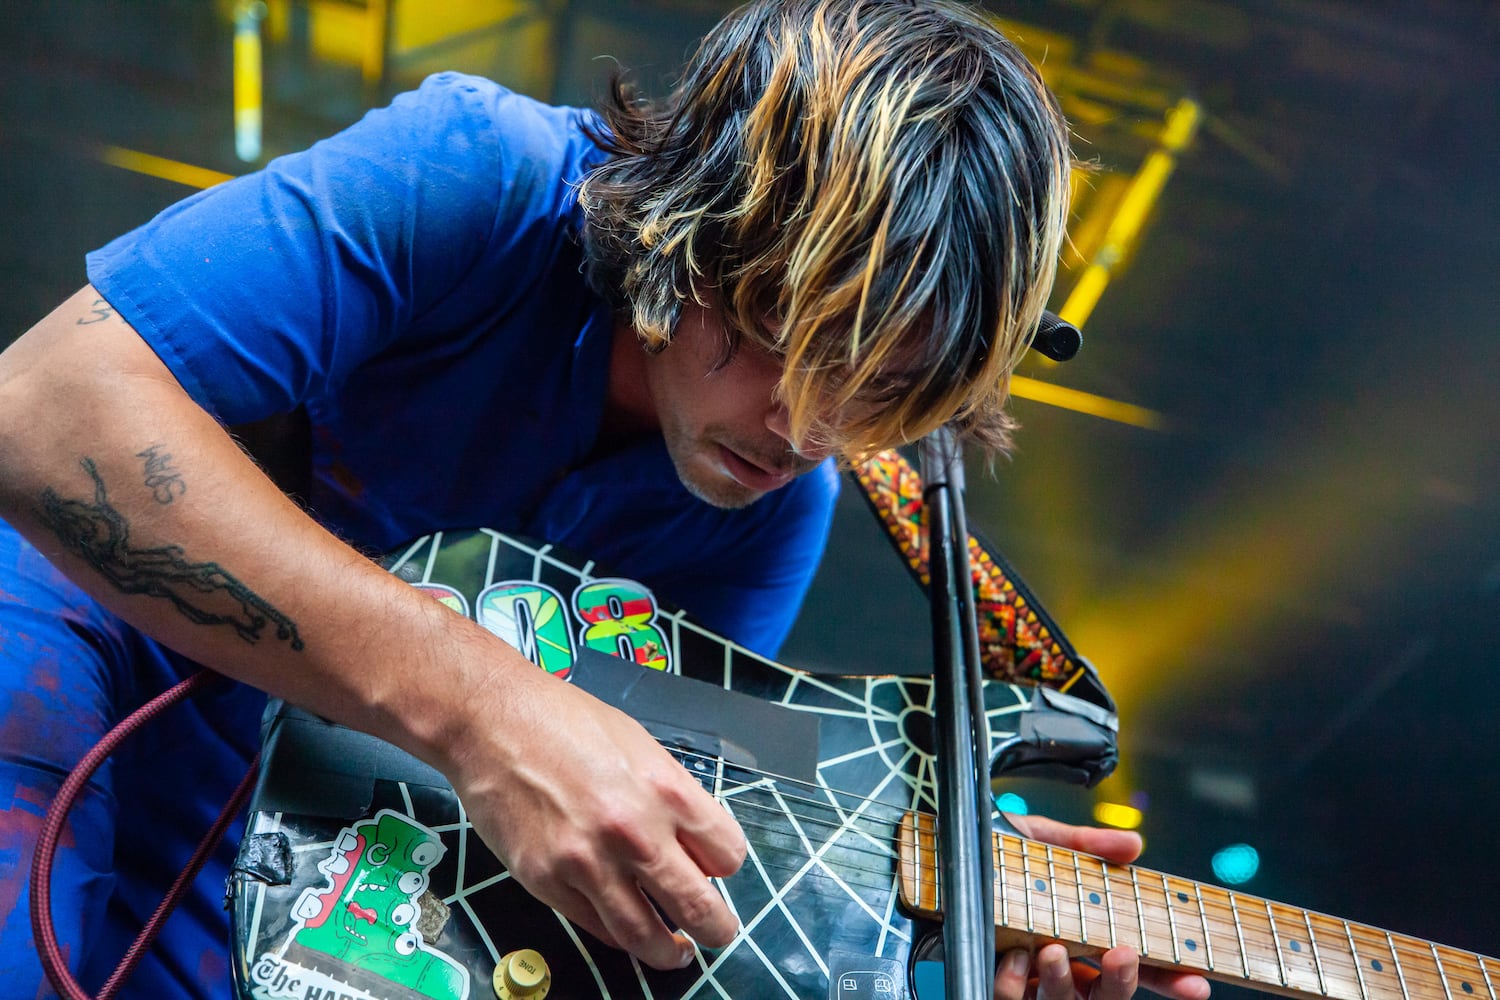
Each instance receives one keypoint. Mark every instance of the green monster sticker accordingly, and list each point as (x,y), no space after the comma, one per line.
(360,931)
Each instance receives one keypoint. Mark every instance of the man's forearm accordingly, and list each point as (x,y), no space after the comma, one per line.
(124,483)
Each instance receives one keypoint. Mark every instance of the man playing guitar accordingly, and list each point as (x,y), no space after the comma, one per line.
(645,334)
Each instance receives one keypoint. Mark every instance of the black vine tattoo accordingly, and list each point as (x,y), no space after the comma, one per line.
(204,592)
(164,482)
(100,312)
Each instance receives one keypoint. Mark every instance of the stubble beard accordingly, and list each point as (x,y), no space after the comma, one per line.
(696,460)
(700,475)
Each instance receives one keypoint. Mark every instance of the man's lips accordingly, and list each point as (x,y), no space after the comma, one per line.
(751,475)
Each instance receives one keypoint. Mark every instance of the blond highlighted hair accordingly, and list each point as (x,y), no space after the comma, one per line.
(876,190)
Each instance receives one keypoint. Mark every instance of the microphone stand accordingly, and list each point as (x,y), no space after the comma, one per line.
(966,865)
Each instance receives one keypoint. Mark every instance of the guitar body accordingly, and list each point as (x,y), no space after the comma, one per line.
(360,876)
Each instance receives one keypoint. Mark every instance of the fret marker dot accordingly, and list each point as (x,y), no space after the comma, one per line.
(1467,988)
(1296,945)
(1192,945)
(1375,964)
(1093,897)
(1040,885)
(1182,897)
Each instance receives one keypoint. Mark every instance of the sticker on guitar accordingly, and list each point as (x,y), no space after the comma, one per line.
(614,616)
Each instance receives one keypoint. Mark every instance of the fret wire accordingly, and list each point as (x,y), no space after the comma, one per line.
(1109,903)
(1083,919)
(1442,976)
(915,869)
(933,883)
(1140,913)
(1166,895)
(1239,932)
(937,883)
(997,867)
(1208,945)
(1354,954)
(1312,942)
(1484,971)
(1004,896)
(1026,886)
(1052,892)
(1396,960)
(1276,943)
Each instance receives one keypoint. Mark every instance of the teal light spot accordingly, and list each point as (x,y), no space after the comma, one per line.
(1040,885)
(1093,897)
(1375,964)
(1012,803)
(1296,945)
(1236,863)
(1192,945)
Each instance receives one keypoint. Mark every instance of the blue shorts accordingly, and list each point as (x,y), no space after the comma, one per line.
(70,670)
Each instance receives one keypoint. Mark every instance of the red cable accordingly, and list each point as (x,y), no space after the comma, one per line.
(42,929)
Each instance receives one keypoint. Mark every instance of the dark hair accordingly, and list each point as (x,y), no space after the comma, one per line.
(876,190)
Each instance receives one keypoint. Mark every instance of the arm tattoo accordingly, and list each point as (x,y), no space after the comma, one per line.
(164,482)
(99,312)
(204,592)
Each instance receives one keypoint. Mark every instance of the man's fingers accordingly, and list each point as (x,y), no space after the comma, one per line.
(1010,978)
(692,902)
(1054,975)
(1119,974)
(1119,846)
(632,923)
(715,842)
(1175,985)
(581,913)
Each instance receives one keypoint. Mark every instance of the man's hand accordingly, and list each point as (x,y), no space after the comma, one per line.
(595,819)
(1120,971)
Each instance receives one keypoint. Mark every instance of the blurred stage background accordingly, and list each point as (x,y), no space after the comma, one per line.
(1262,499)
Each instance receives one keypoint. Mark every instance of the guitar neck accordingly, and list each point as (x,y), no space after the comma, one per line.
(1046,893)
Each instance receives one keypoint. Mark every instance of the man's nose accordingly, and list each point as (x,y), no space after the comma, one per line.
(779,422)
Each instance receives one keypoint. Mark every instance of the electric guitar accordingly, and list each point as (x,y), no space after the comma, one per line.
(360,877)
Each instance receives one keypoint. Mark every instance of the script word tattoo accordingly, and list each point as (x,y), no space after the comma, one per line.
(100,312)
(203,592)
(164,482)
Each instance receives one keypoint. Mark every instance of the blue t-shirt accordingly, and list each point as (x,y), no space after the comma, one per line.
(416,283)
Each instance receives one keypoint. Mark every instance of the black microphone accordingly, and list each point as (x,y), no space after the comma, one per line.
(1056,338)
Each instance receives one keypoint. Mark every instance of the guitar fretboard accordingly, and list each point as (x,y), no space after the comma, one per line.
(1051,893)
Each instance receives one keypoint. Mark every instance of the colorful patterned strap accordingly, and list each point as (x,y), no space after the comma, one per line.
(1018,641)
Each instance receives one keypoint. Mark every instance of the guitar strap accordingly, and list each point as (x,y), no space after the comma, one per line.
(1018,641)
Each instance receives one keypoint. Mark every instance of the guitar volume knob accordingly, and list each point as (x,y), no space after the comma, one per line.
(522,975)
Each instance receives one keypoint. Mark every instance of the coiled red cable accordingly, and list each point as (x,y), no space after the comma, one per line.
(42,929)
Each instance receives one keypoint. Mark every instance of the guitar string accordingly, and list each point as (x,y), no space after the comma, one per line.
(1157,928)
(885,871)
(841,816)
